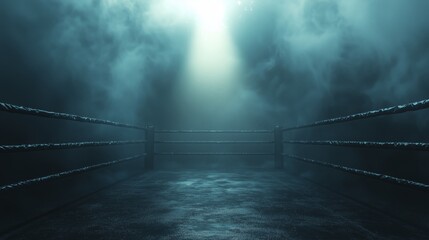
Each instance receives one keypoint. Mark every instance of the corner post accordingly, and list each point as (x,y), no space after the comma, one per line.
(278,147)
(150,148)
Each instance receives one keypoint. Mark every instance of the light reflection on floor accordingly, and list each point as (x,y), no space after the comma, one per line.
(217,205)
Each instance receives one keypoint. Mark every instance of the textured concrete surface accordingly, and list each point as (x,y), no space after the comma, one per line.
(217,205)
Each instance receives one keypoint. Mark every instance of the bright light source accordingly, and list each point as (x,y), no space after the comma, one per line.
(213,68)
(209,14)
(212,60)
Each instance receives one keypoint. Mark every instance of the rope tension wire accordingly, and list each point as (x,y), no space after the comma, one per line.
(212,153)
(410,107)
(213,131)
(6,107)
(415,146)
(66,173)
(214,142)
(55,146)
(378,176)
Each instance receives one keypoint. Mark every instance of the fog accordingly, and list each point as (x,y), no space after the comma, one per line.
(258,65)
(343,55)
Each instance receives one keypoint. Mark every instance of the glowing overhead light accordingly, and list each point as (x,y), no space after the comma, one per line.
(209,14)
(213,68)
(212,57)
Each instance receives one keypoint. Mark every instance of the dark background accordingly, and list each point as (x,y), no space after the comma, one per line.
(304,60)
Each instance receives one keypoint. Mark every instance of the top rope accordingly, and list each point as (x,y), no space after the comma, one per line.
(410,107)
(6,107)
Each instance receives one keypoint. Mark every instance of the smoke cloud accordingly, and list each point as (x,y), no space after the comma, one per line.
(300,61)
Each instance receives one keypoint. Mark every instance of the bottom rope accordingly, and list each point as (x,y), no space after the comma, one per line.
(386,178)
(66,173)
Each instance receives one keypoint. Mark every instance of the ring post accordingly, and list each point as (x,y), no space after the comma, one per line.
(150,148)
(278,147)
